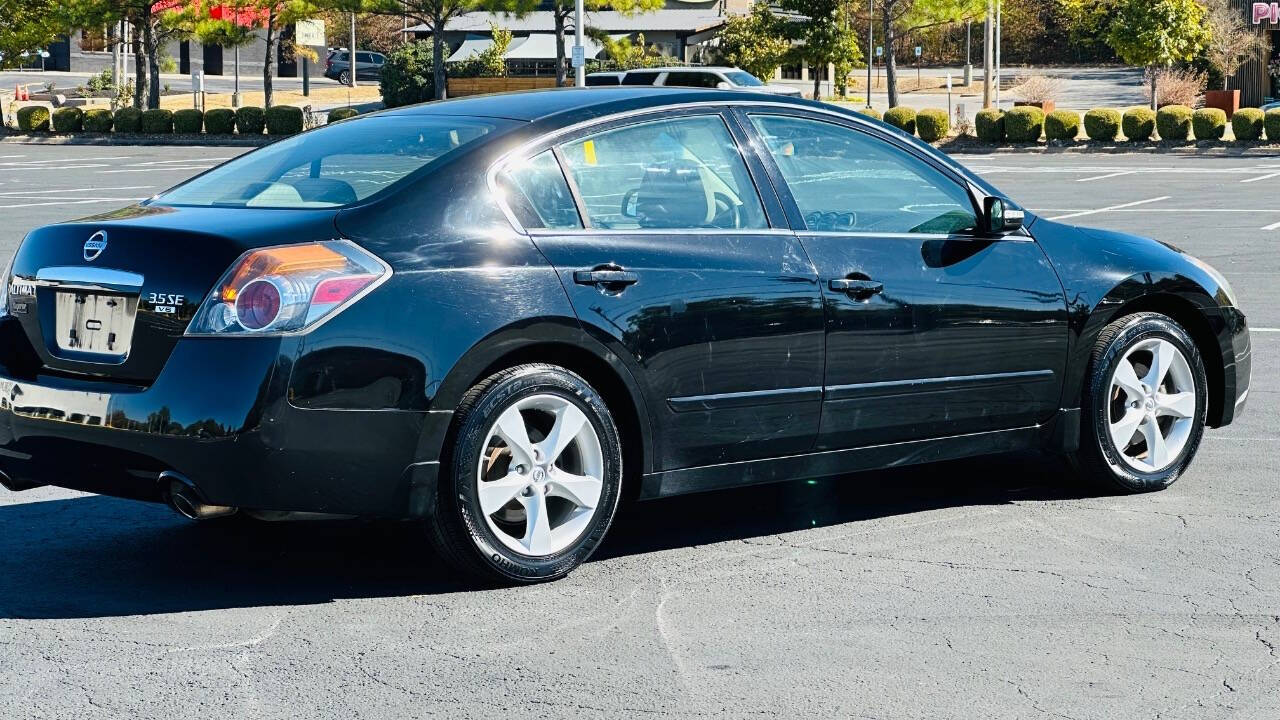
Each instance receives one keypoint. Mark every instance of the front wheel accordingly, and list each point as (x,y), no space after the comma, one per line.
(534,477)
(344,77)
(1145,403)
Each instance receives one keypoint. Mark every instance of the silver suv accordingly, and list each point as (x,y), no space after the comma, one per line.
(724,78)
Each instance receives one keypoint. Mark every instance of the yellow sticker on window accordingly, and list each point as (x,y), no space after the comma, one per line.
(589,152)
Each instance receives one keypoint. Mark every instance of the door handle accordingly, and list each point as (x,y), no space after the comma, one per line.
(858,289)
(617,278)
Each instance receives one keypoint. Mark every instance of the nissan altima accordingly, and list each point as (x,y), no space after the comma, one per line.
(503,315)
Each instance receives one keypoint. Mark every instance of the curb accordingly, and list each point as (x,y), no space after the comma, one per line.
(135,139)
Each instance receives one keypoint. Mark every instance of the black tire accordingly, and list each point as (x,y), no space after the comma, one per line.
(1098,459)
(459,530)
(344,77)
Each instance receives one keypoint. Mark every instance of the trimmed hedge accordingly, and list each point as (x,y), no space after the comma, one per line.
(1102,124)
(157,120)
(189,120)
(933,124)
(903,118)
(1209,123)
(1173,122)
(128,120)
(68,119)
(1139,124)
(1272,123)
(989,125)
(342,113)
(33,118)
(1247,124)
(871,113)
(284,120)
(250,120)
(220,121)
(1024,123)
(1062,125)
(98,120)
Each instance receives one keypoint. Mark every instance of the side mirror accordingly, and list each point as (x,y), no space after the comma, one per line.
(722,85)
(1000,217)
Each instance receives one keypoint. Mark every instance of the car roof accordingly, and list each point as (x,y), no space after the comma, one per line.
(573,104)
(685,68)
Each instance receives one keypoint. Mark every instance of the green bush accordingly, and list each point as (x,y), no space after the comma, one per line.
(990,125)
(68,120)
(407,75)
(1024,124)
(128,120)
(1272,123)
(157,120)
(342,113)
(1209,124)
(220,121)
(33,118)
(98,120)
(250,120)
(872,113)
(284,120)
(1173,122)
(189,120)
(1062,125)
(1247,124)
(1139,124)
(903,118)
(1102,124)
(933,124)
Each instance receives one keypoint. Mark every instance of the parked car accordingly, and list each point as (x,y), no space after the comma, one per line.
(502,314)
(597,79)
(1271,106)
(723,78)
(337,66)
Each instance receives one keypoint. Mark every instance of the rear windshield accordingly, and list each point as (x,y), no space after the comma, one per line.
(337,165)
(743,79)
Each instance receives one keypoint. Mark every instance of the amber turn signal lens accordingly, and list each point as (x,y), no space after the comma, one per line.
(285,260)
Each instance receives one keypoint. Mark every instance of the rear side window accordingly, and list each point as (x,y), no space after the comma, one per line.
(538,194)
(639,78)
(597,80)
(364,57)
(681,172)
(691,79)
(334,166)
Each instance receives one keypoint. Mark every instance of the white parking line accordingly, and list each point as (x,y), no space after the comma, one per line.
(1261,177)
(1168,210)
(1265,330)
(24,163)
(52,191)
(1273,226)
(1108,175)
(154,169)
(1082,213)
(70,202)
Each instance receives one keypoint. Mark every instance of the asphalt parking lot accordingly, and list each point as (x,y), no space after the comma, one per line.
(993,588)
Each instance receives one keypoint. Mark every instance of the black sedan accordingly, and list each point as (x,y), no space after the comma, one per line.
(501,315)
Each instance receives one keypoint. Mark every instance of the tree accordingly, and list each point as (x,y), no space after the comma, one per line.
(756,42)
(1231,41)
(822,37)
(1157,33)
(233,28)
(903,17)
(26,25)
(624,54)
(434,14)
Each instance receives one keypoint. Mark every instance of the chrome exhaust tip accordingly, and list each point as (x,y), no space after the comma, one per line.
(186,502)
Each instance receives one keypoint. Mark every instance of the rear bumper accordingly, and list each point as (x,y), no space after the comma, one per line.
(219,415)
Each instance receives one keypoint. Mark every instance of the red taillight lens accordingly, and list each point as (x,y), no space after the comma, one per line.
(288,288)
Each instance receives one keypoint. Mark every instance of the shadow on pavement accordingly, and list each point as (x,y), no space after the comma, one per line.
(96,556)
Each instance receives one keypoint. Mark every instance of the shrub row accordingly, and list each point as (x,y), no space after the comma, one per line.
(1173,123)
(278,120)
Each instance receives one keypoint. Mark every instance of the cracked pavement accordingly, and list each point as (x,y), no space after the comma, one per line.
(990,588)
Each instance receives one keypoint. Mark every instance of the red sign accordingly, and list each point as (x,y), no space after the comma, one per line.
(1265,11)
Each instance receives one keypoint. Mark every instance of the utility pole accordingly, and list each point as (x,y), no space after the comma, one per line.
(579,60)
(351,54)
(988,35)
(968,52)
(871,46)
(998,23)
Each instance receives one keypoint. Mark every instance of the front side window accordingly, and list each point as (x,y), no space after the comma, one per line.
(334,166)
(691,79)
(639,78)
(743,78)
(681,172)
(845,180)
(538,195)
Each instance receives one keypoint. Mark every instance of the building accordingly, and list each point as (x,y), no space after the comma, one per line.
(1255,80)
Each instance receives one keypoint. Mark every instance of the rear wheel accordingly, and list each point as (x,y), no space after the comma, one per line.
(1145,403)
(533,479)
(344,77)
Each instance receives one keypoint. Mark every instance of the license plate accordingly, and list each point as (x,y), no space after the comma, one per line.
(94,323)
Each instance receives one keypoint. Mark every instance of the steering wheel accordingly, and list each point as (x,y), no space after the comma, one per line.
(728,215)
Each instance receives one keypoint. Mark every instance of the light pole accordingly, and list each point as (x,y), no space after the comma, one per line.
(351,55)
(998,22)
(988,34)
(579,57)
(968,52)
(871,45)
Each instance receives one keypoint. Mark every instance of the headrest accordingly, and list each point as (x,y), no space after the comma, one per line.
(672,195)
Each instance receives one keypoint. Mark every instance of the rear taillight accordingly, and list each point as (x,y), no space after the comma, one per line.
(289,288)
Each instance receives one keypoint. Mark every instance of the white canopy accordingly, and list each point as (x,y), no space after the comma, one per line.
(542,46)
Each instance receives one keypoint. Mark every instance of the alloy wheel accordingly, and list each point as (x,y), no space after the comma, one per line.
(1152,405)
(540,476)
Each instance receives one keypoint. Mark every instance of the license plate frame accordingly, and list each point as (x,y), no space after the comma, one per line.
(95,323)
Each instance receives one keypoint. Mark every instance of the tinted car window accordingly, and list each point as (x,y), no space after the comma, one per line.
(691,79)
(683,172)
(538,194)
(743,78)
(846,180)
(336,165)
(639,78)
(595,80)
(364,57)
